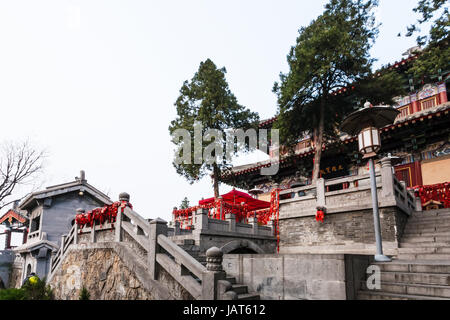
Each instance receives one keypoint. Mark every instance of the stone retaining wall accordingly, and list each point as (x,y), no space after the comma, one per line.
(347,232)
(106,276)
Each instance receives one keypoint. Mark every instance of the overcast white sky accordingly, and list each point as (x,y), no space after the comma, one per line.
(94,81)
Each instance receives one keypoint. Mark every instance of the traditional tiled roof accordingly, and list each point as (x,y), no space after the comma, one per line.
(11,213)
(77,185)
(430,113)
(268,122)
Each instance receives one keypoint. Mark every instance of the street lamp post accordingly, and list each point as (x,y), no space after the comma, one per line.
(366,123)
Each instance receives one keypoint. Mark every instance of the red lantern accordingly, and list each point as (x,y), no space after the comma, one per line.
(320,214)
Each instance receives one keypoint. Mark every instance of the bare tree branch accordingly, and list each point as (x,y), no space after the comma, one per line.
(20,164)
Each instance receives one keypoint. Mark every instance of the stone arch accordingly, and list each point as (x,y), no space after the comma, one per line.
(246,245)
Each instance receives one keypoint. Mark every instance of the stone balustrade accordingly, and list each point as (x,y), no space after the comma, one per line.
(348,224)
(150,239)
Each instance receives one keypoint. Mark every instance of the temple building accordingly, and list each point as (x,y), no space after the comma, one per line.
(47,215)
(419,140)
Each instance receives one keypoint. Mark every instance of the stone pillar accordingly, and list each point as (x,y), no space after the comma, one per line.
(176,228)
(231,219)
(118,224)
(63,241)
(157,227)
(254,222)
(320,192)
(215,273)
(75,236)
(418,204)
(387,178)
(93,232)
(201,219)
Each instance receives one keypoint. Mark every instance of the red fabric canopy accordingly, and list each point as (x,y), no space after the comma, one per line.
(237,197)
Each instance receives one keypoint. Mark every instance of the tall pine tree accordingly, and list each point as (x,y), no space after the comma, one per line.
(330,54)
(208,99)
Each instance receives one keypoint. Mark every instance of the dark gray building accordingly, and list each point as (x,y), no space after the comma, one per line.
(51,213)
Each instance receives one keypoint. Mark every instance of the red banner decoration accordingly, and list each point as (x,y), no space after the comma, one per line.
(438,192)
(219,208)
(107,213)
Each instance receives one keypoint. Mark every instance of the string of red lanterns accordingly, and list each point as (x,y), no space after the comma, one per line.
(108,213)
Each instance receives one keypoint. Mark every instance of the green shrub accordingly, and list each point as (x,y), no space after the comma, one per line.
(84,294)
(12,294)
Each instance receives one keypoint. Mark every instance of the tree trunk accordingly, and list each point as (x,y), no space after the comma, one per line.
(216,176)
(318,142)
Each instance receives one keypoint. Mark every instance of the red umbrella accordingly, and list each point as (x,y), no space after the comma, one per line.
(237,197)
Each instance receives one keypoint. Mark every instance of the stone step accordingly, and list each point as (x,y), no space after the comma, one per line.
(240,288)
(427,231)
(414,266)
(427,224)
(422,239)
(412,289)
(377,295)
(424,256)
(248,296)
(431,213)
(416,278)
(431,249)
(231,280)
(424,244)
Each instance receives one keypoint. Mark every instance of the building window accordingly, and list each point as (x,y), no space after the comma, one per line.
(429,103)
(404,111)
(28,270)
(35,224)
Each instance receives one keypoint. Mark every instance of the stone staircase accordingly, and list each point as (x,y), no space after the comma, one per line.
(241,290)
(421,271)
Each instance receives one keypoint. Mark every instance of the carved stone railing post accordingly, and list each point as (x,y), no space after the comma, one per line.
(75,236)
(253,221)
(387,178)
(231,219)
(118,224)
(214,258)
(320,192)
(157,227)
(93,232)
(201,219)
(63,241)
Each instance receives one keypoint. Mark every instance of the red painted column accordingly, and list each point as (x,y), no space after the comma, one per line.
(25,235)
(414,103)
(8,240)
(442,93)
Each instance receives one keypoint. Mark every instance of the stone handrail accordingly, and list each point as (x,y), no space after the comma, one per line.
(161,252)
(391,193)
(181,256)
(66,241)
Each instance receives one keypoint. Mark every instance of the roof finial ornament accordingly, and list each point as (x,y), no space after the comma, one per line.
(82,177)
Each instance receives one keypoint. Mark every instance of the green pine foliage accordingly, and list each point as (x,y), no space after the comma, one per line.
(330,54)
(435,59)
(208,99)
(185,203)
